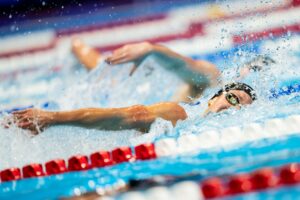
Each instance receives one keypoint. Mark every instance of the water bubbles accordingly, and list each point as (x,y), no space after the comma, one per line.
(77,191)
(92,184)
(12,28)
(224,30)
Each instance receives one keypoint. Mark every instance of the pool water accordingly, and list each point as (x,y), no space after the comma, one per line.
(108,86)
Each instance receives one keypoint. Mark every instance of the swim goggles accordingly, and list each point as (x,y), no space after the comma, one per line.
(232,98)
(237,86)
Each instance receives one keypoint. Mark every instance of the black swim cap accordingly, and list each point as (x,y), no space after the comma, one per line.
(237,86)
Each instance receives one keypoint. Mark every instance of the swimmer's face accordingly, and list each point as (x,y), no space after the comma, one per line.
(220,103)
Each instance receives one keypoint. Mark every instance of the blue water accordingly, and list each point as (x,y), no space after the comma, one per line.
(64,141)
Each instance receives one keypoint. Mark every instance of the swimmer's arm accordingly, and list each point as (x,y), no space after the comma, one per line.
(138,116)
(85,115)
(199,66)
(137,51)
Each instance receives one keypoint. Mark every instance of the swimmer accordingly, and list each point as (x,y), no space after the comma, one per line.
(197,74)
(137,117)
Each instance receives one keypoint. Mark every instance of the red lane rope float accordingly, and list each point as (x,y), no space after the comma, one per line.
(122,154)
(81,162)
(145,151)
(78,163)
(101,159)
(11,174)
(262,179)
(212,188)
(290,174)
(239,184)
(33,170)
(55,167)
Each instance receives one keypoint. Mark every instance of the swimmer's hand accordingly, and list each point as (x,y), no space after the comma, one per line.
(34,120)
(130,52)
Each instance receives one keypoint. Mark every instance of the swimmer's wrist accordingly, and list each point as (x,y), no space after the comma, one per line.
(154,48)
(55,118)
(149,48)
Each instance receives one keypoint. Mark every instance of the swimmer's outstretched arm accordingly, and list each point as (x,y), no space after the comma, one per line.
(90,57)
(134,117)
(133,52)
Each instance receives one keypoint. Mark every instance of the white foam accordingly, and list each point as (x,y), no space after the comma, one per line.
(133,196)
(186,190)
(209,139)
(166,147)
(253,131)
(188,143)
(231,135)
(158,193)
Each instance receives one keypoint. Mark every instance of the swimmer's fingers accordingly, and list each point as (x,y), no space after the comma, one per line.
(118,51)
(117,54)
(32,127)
(116,59)
(24,120)
(121,60)
(20,112)
(26,114)
(25,125)
(19,118)
(6,122)
(36,129)
(19,115)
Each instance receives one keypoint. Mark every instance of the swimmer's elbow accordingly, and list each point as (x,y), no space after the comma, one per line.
(170,111)
(179,112)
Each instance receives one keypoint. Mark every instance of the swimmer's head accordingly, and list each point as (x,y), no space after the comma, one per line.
(232,95)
